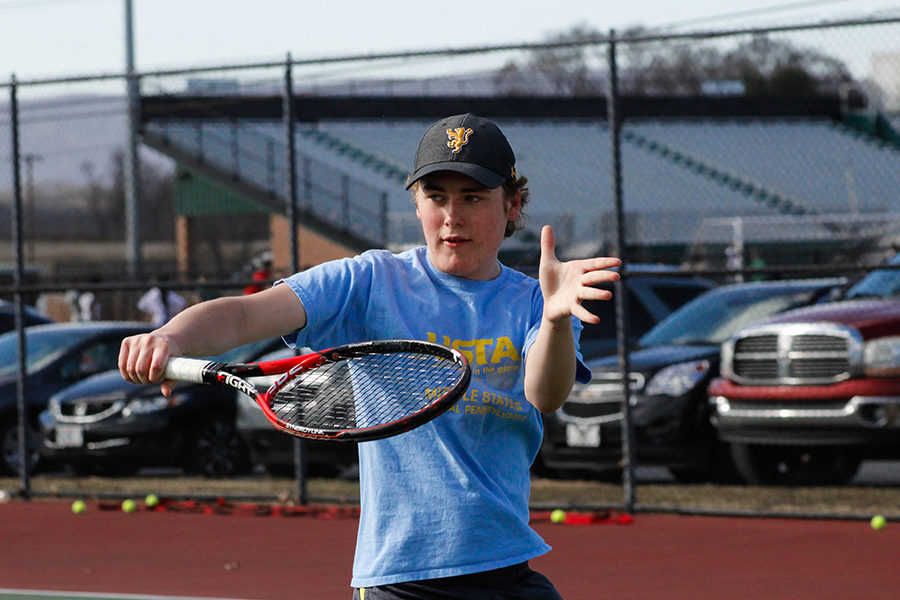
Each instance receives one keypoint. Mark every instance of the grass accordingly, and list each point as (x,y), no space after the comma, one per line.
(831,502)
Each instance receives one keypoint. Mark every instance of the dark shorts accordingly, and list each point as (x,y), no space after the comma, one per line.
(509,583)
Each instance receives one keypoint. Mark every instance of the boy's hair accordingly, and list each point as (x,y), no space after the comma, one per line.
(509,189)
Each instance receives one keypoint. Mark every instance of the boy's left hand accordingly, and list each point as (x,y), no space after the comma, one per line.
(565,285)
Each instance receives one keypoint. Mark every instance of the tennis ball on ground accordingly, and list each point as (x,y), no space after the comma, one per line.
(128,506)
(558,516)
(151,500)
(878,522)
(79,507)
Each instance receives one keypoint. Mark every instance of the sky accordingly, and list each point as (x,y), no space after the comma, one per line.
(61,38)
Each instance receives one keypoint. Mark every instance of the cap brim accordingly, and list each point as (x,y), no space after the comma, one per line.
(485,177)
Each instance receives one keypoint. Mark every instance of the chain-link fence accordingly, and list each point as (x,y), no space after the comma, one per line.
(714,157)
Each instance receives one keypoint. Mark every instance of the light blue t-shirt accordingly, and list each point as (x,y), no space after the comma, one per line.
(450,497)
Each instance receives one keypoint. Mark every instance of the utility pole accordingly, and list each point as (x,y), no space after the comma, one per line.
(132,156)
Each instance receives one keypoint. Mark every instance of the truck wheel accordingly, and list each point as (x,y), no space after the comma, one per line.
(794,465)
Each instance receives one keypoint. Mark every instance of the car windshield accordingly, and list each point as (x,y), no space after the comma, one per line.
(880,283)
(717,315)
(42,347)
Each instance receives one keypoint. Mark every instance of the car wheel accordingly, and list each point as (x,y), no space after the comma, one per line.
(10,462)
(795,465)
(214,448)
(118,469)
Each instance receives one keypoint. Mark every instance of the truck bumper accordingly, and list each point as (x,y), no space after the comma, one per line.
(859,419)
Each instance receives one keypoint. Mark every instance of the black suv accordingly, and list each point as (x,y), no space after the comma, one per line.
(670,371)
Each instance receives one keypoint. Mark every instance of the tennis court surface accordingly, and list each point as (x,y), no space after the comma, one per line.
(253,552)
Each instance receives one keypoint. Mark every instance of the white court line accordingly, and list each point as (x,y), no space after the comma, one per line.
(9,594)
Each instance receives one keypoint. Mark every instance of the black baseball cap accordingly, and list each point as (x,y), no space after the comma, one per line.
(469,145)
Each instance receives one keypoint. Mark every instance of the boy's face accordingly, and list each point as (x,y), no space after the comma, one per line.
(464,223)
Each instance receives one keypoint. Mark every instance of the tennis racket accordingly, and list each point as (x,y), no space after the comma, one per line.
(351,393)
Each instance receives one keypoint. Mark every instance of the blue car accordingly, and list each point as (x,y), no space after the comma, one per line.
(8,316)
(57,355)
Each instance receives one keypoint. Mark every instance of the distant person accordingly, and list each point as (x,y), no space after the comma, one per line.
(88,307)
(757,262)
(734,261)
(83,306)
(161,306)
(72,303)
(261,274)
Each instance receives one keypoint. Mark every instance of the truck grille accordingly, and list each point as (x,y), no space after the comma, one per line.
(808,354)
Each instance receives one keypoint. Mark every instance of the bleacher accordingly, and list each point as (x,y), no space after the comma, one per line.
(678,173)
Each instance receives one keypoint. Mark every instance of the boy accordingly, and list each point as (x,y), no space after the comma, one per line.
(445,506)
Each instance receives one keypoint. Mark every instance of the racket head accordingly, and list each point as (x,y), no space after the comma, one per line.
(366,391)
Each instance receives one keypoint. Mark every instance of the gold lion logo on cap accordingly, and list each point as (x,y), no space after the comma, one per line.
(458,137)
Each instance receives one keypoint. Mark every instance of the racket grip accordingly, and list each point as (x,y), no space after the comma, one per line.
(186,369)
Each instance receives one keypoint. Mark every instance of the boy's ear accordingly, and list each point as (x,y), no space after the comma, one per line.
(515,205)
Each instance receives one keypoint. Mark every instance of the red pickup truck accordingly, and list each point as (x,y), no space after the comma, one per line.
(804,397)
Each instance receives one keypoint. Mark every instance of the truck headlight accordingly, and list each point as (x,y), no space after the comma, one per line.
(881,358)
(678,379)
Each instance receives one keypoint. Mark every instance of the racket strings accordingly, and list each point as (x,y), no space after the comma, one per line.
(365,391)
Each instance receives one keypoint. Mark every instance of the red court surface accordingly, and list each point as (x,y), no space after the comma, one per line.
(44,546)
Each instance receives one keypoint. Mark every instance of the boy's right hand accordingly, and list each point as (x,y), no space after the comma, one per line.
(143,358)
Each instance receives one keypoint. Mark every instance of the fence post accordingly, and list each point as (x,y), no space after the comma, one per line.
(613,117)
(17,231)
(288,116)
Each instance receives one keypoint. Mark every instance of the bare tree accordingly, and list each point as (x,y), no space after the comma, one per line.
(763,65)
(568,71)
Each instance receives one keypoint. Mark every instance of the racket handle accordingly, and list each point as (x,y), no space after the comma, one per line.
(186,369)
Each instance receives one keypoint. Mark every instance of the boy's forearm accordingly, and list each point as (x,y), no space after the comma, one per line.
(212,327)
(550,366)
(205,329)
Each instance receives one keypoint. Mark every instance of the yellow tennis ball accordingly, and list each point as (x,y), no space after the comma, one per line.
(79,507)
(878,522)
(128,506)
(558,516)
(151,500)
